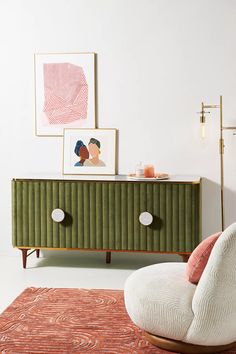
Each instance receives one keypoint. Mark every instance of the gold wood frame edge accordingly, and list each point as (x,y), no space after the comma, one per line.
(103,181)
(98,250)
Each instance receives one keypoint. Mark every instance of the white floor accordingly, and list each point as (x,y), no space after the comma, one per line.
(71,269)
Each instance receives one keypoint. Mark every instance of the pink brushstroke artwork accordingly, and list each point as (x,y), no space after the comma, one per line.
(65,93)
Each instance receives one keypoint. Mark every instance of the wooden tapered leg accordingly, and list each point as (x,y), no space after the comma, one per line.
(108,257)
(185,257)
(24,256)
(37,253)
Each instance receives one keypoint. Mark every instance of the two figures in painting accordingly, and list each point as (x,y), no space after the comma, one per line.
(89,156)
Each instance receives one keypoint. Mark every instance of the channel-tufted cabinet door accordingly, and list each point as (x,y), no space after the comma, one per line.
(106,215)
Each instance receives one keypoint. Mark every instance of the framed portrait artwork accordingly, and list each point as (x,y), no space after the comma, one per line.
(89,151)
(64,92)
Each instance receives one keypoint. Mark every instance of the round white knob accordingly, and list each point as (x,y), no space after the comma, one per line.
(58,215)
(145,218)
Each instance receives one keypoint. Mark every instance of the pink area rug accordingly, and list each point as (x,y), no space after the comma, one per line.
(43,320)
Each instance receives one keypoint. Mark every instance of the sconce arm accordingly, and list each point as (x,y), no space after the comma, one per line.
(211,106)
(229,128)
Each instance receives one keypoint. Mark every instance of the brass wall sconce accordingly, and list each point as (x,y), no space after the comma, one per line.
(221,147)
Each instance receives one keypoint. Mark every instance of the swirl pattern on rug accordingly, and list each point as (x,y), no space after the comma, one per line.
(46,320)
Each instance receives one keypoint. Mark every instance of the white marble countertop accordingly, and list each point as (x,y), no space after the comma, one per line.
(120,178)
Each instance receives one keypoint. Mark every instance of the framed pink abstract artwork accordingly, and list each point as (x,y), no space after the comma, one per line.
(64,92)
(89,151)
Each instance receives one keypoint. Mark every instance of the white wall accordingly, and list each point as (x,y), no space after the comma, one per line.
(157,60)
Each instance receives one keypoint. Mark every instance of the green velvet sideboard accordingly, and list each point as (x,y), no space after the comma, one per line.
(102,213)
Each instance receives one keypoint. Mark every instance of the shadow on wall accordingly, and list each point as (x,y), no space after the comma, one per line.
(230,206)
(211,207)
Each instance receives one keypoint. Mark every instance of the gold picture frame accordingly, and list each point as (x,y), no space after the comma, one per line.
(65,92)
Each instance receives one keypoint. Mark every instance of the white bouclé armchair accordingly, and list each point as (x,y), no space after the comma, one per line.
(183,317)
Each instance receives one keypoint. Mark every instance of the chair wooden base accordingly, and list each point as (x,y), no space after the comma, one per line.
(181,347)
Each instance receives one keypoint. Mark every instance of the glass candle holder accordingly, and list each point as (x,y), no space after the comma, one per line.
(149,171)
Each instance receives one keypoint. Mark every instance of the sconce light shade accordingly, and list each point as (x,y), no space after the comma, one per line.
(203,130)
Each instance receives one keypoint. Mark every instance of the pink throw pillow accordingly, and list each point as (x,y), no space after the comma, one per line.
(199,257)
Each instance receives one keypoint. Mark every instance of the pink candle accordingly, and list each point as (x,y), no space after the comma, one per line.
(149,171)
